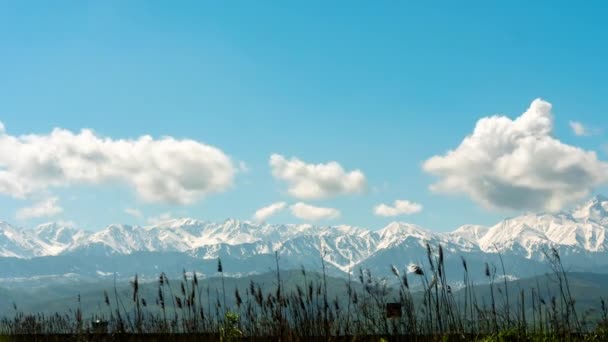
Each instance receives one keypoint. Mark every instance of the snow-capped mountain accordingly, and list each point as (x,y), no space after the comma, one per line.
(17,243)
(580,236)
(595,210)
(583,230)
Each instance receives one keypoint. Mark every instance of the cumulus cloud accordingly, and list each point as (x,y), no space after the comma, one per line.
(578,128)
(46,208)
(311,213)
(159,170)
(134,212)
(316,181)
(518,164)
(264,213)
(399,207)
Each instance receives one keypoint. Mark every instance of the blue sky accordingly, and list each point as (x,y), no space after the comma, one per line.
(375,87)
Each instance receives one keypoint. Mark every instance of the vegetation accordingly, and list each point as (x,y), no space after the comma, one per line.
(422,305)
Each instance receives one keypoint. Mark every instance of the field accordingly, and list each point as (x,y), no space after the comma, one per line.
(416,303)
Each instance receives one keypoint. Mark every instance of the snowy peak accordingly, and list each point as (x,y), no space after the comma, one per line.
(595,210)
(470,232)
(529,234)
(56,238)
(178,223)
(581,232)
(467,237)
(397,233)
(401,229)
(513,236)
(14,243)
(56,233)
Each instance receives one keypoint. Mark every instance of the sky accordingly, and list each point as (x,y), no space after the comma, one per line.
(342,112)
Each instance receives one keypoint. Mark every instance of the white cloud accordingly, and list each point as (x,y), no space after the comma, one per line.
(316,181)
(134,212)
(399,207)
(264,213)
(46,208)
(66,223)
(243,167)
(164,217)
(160,170)
(518,164)
(311,213)
(578,128)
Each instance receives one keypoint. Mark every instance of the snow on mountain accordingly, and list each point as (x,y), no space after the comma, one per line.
(469,232)
(338,249)
(126,239)
(583,229)
(46,239)
(57,238)
(240,251)
(397,232)
(16,243)
(595,210)
(580,233)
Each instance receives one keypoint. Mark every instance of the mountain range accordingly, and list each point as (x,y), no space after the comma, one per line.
(59,250)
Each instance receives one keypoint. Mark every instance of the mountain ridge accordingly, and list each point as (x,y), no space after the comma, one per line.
(580,234)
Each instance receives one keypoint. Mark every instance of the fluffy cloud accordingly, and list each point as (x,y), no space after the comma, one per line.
(399,207)
(578,128)
(316,181)
(46,208)
(264,213)
(311,213)
(159,170)
(134,212)
(518,164)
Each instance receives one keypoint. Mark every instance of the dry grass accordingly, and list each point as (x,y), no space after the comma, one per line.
(307,312)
